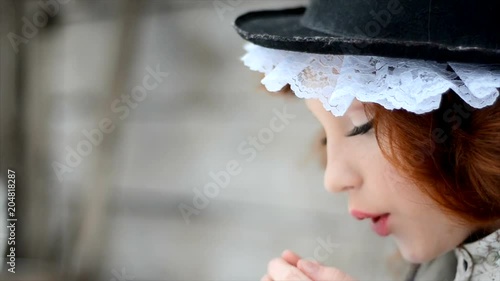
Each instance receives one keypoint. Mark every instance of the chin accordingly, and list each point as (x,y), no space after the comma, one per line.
(412,257)
(415,254)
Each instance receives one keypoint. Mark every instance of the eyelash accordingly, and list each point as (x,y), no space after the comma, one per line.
(361,130)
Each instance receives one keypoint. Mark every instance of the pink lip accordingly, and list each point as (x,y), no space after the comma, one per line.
(381,226)
(379,221)
(362,215)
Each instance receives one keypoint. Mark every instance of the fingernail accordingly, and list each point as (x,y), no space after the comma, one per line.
(309,266)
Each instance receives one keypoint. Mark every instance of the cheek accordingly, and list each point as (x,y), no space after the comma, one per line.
(421,230)
(416,236)
(420,240)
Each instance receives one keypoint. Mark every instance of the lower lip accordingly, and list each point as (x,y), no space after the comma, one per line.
(381,227)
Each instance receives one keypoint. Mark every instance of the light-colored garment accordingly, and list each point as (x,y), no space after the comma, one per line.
(442,268)
(475,261)
(479,260)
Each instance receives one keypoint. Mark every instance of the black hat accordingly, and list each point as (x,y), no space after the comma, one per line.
(442,30)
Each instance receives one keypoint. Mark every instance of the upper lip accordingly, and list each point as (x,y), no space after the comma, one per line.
(362,215)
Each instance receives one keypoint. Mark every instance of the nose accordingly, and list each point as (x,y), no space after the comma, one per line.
(340,176)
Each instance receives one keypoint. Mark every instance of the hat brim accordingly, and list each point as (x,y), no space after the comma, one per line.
(282,29)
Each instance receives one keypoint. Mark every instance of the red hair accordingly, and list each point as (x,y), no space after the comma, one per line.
(452,154)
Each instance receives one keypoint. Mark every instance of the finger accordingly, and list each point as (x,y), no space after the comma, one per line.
(317,271)
(266,278)
(290,257)
(278,269)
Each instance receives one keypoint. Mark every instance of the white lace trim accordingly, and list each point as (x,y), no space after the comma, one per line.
(336,80)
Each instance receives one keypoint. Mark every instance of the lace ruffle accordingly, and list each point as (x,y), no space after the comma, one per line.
(336,80)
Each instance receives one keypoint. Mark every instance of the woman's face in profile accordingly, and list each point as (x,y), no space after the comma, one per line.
(355,165)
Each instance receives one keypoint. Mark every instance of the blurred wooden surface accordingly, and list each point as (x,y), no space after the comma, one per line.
(190,125)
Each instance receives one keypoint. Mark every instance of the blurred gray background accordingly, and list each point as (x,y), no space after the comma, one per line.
(113,212)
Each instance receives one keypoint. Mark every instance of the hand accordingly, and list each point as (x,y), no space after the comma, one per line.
(291,267)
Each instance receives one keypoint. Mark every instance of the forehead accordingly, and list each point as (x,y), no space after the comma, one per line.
(356,105)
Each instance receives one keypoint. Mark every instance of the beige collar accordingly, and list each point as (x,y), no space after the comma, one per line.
(479,260)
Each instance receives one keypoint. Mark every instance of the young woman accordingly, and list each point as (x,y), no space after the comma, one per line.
(407,94)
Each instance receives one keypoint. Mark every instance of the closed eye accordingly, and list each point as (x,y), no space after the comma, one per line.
(363,129)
